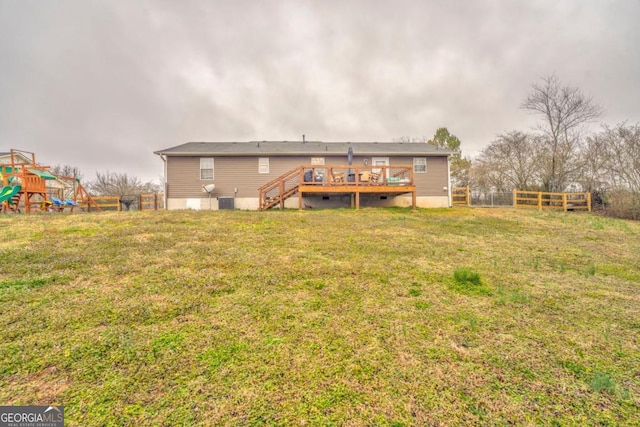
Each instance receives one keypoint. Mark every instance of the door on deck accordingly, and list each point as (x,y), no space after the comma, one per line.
(380,161)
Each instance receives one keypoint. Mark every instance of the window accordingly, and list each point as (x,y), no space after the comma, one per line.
(263,165)
(420,165)
(317,160)
(206,168)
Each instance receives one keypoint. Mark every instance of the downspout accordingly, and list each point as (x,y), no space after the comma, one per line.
(165,185)
(449,180)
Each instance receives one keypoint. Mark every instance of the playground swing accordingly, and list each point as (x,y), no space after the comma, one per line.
(33,192)
(60,205)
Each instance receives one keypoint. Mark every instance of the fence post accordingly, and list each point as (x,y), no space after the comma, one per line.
(589,201)
(140,202)
(539,200)
(155,201)
(515,198)
(564,201)
(468,196)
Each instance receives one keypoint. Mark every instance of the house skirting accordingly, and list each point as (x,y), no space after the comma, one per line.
(317,202)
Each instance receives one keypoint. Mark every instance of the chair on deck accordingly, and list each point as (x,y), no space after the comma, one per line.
(337,176)
(375,178)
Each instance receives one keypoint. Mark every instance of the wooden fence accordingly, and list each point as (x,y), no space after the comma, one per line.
(543,200)
(106,203)
(115,203)
(461,196)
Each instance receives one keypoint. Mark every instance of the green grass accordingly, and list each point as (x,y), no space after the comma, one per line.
(326,317)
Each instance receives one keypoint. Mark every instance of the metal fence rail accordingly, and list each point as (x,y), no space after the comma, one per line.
(491,198)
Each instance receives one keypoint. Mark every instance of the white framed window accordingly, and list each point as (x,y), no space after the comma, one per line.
(419,165)
(263,165)
(317,161)
(206,168)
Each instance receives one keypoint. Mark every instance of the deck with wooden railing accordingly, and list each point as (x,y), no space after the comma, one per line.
(337,179)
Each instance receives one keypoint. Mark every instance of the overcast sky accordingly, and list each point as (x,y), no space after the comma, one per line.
(102,84)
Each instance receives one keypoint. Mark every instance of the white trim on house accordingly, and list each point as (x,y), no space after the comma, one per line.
(449,193)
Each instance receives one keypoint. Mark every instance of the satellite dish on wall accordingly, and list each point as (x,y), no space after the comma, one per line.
(208,188)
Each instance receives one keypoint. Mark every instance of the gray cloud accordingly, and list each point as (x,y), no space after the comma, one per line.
(102,84)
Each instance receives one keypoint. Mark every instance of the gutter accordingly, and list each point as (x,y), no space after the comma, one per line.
(304,153)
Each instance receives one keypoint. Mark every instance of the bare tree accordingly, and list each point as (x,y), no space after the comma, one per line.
(618,160)
(66,171)
(122,185)
(410,139)
(594,173)
(564,110)
(622,145)
(510,162)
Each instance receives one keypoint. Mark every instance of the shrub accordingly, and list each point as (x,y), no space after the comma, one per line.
(622,204)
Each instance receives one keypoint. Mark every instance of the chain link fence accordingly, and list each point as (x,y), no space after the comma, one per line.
(491,198)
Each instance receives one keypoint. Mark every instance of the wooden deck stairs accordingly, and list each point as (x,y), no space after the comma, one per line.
(275,192)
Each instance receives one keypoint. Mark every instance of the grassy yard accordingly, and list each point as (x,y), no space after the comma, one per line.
(336,317)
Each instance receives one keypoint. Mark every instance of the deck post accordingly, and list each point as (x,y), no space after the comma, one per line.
(357,200)
(281,195)
(413,200)
(299,200)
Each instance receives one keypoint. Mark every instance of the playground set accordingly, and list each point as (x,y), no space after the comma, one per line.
(24,185)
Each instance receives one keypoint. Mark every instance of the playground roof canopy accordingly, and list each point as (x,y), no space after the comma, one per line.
(42,174)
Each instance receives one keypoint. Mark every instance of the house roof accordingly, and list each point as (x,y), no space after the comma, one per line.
(5,157)
(292,148)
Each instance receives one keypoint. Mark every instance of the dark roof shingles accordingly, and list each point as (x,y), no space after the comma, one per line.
(300,147)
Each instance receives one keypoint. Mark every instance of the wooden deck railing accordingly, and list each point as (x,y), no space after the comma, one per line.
(341,175)
(545,200)
(332,177)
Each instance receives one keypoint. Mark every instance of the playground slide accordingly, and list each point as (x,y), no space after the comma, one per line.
(8,192)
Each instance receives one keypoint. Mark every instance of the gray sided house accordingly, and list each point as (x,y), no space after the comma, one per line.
(305,174)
